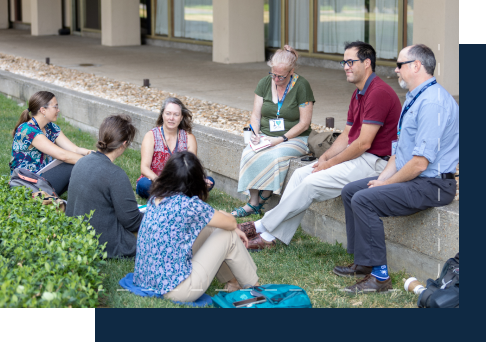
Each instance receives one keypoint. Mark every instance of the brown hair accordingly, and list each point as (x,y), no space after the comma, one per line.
(36,102)
(114,131)
(286,56)
(186,123)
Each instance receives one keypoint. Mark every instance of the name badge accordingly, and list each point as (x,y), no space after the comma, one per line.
(276,125)
(394,147)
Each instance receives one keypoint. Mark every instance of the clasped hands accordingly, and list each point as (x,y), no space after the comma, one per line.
(321,164)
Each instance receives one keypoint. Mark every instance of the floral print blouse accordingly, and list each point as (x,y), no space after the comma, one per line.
(165,238)
(24,154)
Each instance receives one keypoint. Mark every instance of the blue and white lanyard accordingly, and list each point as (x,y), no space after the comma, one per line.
(280,102)
(405,110)
(35,123)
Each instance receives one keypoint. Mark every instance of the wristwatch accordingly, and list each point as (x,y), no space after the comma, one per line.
(285,138)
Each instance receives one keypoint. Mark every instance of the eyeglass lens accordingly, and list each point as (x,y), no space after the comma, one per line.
(277,76)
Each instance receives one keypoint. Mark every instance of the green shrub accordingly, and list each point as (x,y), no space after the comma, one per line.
(46,258)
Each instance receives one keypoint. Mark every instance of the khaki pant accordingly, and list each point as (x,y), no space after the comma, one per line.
(305,187)
(220,253)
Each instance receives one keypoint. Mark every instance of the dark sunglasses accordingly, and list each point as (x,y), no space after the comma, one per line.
(399,64)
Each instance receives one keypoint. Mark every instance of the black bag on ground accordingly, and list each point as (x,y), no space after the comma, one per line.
(444,291)
(321,142)
(24,177)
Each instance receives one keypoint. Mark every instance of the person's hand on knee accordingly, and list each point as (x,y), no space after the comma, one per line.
(242,236)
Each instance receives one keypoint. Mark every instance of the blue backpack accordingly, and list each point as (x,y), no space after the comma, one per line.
(276,295)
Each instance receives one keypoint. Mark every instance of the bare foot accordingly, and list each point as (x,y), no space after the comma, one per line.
(232,285)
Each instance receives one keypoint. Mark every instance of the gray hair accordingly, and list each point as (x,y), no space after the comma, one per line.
(425,55)
(286,56)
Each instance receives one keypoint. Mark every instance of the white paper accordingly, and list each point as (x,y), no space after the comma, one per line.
(262,145)
(49,166)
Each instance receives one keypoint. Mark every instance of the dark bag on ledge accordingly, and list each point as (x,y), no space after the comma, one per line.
(321,142)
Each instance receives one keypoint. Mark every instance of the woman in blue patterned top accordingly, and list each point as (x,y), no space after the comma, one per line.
(37,140)
(183,243)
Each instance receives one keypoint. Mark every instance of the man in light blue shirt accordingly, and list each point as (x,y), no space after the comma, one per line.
(419,175)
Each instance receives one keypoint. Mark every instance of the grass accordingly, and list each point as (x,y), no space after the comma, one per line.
(307,262)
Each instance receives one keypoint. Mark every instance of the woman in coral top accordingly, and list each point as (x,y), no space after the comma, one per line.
(172,134)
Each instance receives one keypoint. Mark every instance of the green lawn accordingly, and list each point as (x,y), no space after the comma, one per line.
(306,262)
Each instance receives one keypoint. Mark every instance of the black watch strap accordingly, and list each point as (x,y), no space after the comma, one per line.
(285,138)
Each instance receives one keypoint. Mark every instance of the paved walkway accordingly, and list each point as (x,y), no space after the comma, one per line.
(181,71)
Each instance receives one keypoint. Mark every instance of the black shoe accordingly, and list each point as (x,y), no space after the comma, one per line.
(352,270)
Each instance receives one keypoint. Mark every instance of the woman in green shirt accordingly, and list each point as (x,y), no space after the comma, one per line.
(282,111)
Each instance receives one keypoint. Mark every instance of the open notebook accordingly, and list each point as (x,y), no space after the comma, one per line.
(49,166)
(262,145)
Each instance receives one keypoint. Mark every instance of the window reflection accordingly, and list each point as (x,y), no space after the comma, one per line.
(193,19)
(371,21)
(271,19)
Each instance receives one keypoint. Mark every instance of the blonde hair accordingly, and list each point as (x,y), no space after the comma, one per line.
(286,56)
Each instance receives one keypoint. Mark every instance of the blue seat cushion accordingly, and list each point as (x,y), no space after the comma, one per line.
(127,283)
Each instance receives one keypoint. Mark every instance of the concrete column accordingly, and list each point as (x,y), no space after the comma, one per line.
(436,24)
(67,13)
(120,22)
(27,10)
(238,31)
(45,17)
(3,14)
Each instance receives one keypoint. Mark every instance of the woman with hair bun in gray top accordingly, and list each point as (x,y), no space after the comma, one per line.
(98,184)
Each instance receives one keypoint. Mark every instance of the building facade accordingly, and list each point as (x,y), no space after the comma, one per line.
(237,31)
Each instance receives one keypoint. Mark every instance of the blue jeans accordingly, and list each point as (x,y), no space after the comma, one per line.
(143,186)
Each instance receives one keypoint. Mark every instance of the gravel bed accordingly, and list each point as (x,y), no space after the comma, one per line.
(205,113)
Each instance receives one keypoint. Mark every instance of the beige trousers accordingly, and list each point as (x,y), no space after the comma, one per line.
(305,187)
(220,253)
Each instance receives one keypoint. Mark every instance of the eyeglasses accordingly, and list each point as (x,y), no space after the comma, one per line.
(56,106)
(349,62)
(399,64)
(280,78)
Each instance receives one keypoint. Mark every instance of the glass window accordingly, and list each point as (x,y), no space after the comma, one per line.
(92,14)
(374,22)
(193,19)
(145,20)
(272,17)
(339,21)
(386,29)
(409,22)
(161,18)
(299,24)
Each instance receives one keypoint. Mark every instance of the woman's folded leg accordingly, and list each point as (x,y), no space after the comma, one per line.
(221,245)
(59,177)
(143,187)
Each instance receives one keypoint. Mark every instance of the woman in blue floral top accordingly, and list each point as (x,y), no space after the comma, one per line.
(37,140)
(180,248)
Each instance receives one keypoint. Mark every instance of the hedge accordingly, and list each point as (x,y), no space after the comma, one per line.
(46,258)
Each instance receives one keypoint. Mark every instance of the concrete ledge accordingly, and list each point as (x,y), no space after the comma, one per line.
(418,243)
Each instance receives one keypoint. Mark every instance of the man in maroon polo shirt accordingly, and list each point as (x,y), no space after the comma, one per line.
(361,151)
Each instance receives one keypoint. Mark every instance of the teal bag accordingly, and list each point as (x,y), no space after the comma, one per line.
(277,295)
